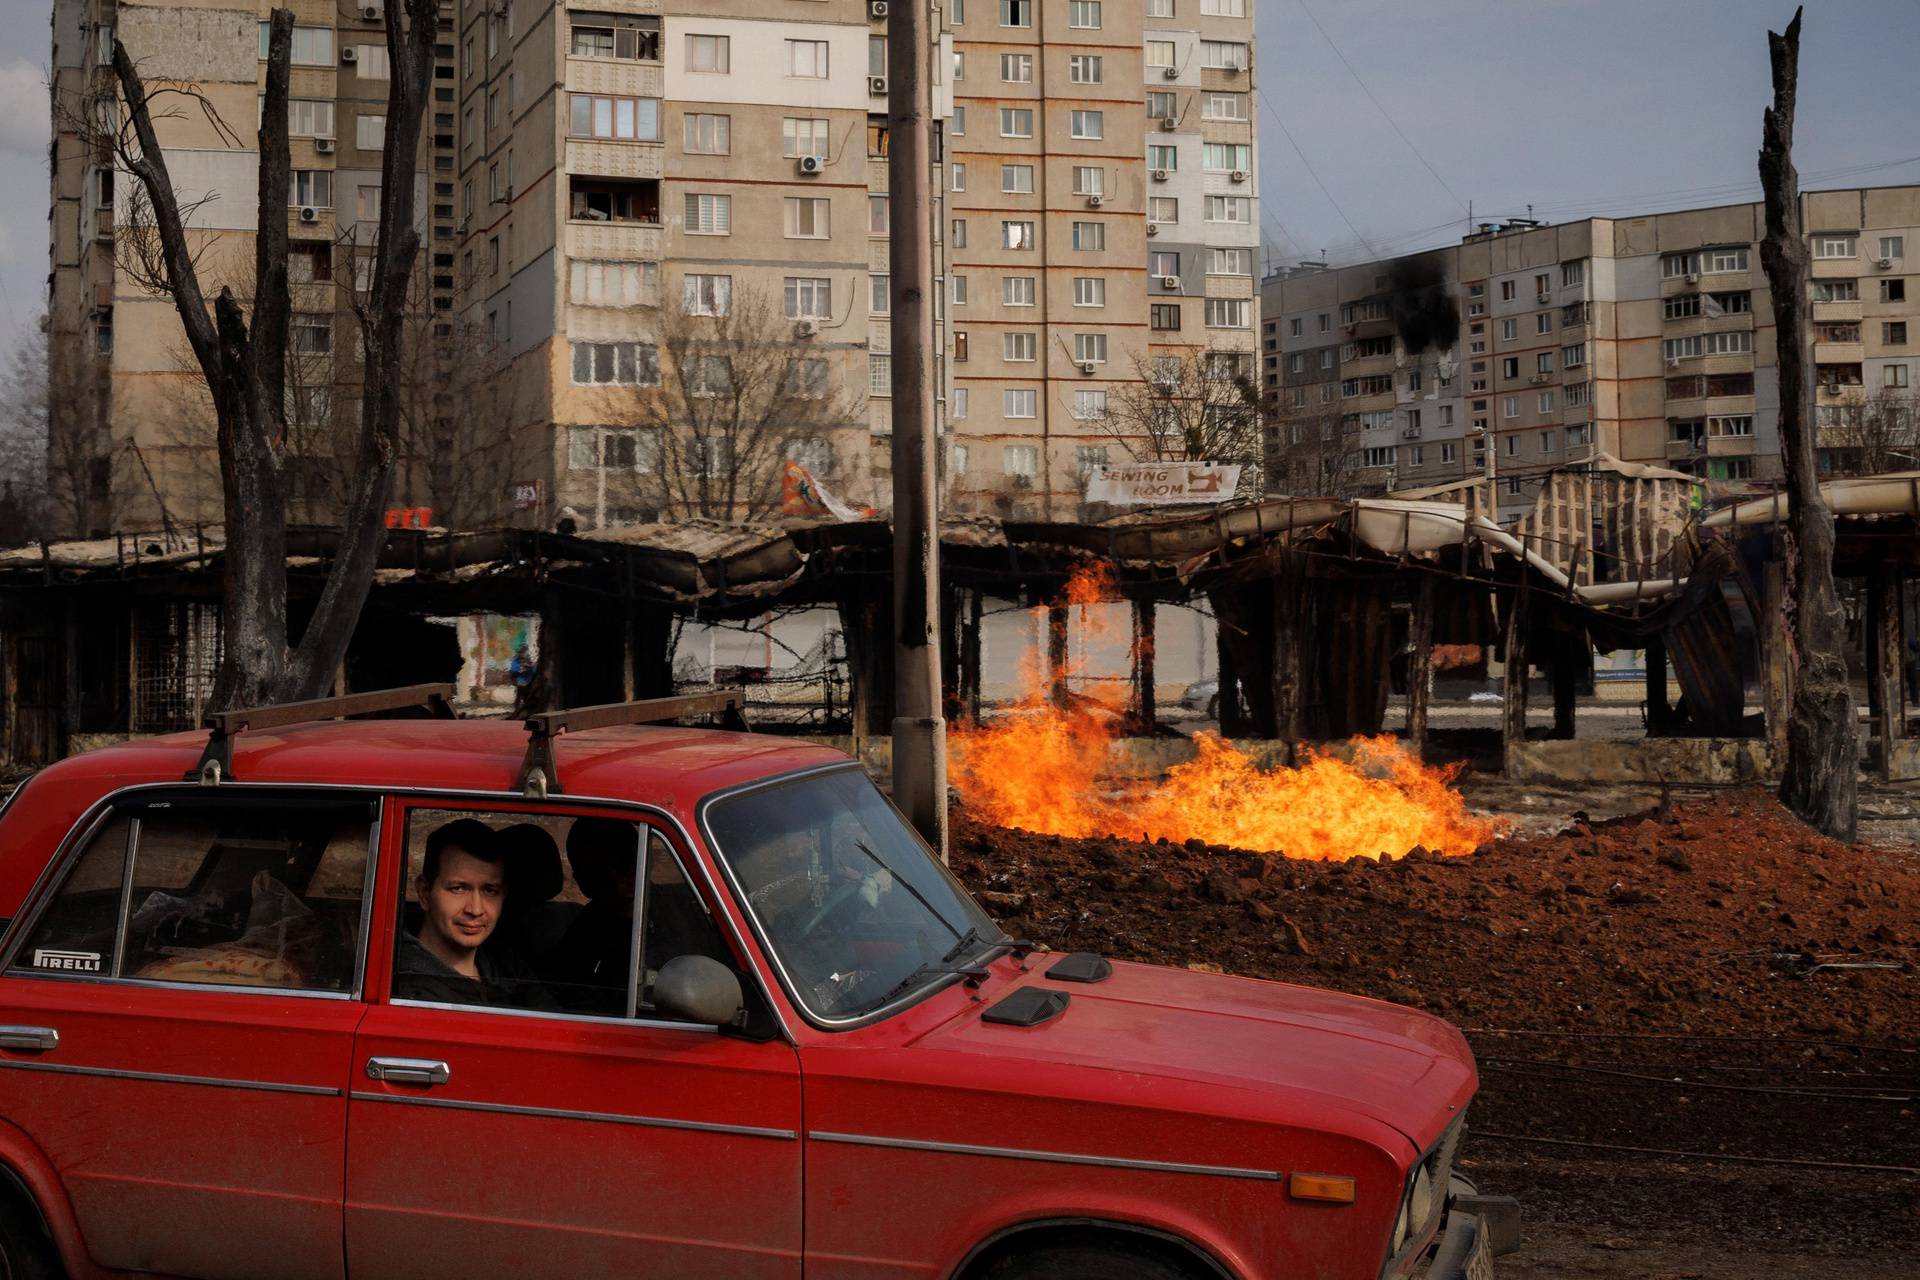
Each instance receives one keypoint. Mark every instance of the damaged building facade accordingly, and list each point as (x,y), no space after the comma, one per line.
(1530,347)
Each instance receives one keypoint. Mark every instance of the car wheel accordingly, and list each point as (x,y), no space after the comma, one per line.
(25,1251)
(1085,1262)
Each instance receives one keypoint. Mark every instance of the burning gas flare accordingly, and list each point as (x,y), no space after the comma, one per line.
(1039,767)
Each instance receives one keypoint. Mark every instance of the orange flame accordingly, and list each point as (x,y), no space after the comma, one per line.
(1039,768)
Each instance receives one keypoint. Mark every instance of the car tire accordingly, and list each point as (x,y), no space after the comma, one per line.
(1085,1262)
(25,1251)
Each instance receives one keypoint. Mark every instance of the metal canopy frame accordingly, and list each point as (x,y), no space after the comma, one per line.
(539,776)
(216,761)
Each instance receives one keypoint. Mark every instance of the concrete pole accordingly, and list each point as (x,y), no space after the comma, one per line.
(919,730)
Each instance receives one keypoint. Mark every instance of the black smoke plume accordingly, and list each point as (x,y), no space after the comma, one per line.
(1424,313)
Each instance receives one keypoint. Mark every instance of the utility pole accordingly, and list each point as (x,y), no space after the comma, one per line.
(919,731)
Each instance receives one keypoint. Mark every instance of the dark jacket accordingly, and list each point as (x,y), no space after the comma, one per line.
(504,979)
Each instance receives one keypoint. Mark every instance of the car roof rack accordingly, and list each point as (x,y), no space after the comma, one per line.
(539,776)
(216,761)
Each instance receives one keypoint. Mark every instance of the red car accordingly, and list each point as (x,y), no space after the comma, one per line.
(399,999)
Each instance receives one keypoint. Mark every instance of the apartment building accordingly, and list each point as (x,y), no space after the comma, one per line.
(132,431)
(1103,216)
(1527,347)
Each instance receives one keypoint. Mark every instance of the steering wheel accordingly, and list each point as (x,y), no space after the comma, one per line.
(836,898)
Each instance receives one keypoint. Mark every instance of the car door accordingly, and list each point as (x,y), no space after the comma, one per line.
(179,1009)
(550,1133)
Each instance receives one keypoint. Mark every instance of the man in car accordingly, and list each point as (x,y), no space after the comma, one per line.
(461,889)
(589,966)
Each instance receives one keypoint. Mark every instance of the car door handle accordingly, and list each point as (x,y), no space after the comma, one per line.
(409,1070)
(31,1039)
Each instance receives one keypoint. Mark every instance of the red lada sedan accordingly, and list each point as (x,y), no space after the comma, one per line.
(360,1003)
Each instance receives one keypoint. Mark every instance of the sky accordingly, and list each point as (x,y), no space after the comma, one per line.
(1577,107)
(1574,106)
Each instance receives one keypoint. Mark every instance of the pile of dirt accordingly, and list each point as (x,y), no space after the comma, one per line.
(1718,915)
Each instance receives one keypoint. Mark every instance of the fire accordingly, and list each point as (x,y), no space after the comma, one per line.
(1038,768)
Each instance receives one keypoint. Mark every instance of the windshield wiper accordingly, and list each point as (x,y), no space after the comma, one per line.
(970,938)
(974,974)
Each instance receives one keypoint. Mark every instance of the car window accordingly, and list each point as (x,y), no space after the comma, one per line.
(250,894)
(535,911)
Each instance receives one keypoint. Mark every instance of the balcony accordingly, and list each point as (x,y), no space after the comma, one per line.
(1731,446)
(1836,312)
(603,158)
(1682,450)
(1851,353)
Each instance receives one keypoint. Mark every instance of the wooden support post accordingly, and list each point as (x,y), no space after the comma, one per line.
(1143,683)
(1420,664)
(1658,712)
(970,657)
(649,652)
(1058,616)
(1777,652)
(1227,667)
(1287,667)
(1514,698)
(1883,610)
(69,718)
(1566,683)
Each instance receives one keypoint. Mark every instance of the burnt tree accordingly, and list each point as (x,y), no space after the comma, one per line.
(1819,782)
(242,351)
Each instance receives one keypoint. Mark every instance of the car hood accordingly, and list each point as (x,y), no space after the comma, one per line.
(1396,1065)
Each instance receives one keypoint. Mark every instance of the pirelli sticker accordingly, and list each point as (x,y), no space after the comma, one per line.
(67,961)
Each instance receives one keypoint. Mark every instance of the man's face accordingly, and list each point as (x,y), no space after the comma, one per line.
(463,903)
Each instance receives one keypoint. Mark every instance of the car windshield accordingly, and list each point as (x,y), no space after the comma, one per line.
(855,909)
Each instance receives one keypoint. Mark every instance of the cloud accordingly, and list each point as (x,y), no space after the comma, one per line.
(26,114)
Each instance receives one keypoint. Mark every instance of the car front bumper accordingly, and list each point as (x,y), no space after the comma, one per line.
(1477,1230)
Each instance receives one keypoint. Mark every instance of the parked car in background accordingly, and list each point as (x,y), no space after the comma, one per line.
(1203,696)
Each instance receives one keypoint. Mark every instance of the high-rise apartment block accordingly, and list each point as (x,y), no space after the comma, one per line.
(602,176)
(1529,347)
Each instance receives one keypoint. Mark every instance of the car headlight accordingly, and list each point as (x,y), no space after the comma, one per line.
(1426,1192)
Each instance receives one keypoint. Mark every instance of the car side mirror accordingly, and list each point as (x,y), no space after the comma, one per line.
(699,989)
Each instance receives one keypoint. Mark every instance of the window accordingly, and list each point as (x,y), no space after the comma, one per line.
(1016,122)
(1508,290)
(306,118)
(1893,333)
(1720,344)
(1737,426)
(371,63)
(1016,13)
(1086,68)
(1890,291)
(1297,362)
(960,346)
(600,116)
(1543,322)
(591,448)
(711,55)
(808,218)
(708,378)
(1225,54)
(706,295)
(1231,262)
(1893,375)
(876,55)
(708,134)
(310,188)
(607,201)
(1084,14)
(1674,265)
(709,215)
(879,374)
(1380,456)
(1448,452)
(1159,8)
(957,233)
(600,38)
(1090,237)
(1017,291)
(1163,104)
(1091,291)
(1576,435)
(1545,402)
(267,896)
(1224,156)
(1680,348)
(1574,356)
(1733,259)
(626,364)
(1016,68)
(1837,290)
(1164,317)
(1016,178)
(1163,209)
(1016,235)
(1019,347)
(1088,458)
(1087,124)
(809,298)
(1163,156)
(1090,348)
(1580,393)
(1229,313)
(312,46)
(1089,180)
(1543,362)
(1510,408)
(1835,246)
(612,283)
(807,59)
(957,410)
(1020,403)
(957,179)
(879,294)
(1089,406)
(308,263)
(1893,247)
(804,137)
(1294,326)
(1573,273)
(1230,209)
(1510,367)
(1224,106)
(1509,330)
(959,291)
(367,202)
(879,213)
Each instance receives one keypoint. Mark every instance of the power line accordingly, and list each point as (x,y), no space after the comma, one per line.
(1384,114)
(1287,133)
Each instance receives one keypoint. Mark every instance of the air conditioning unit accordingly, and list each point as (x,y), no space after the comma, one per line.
(812,165)
(1693,277)
(309,214)
(876,8)
(1673,362)
(370,13)
(323,146)
(1153,228)
(1019,481)
(460,227)
(877,86)
(347,54)
(1883,263)
(1168,124)
(1088,366)
(805,328)
(1238,175)
(1544,298)
(1095,201)
(1540,379)
(1171,73)
(1411,433)
(1159,175)
(1169,282)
